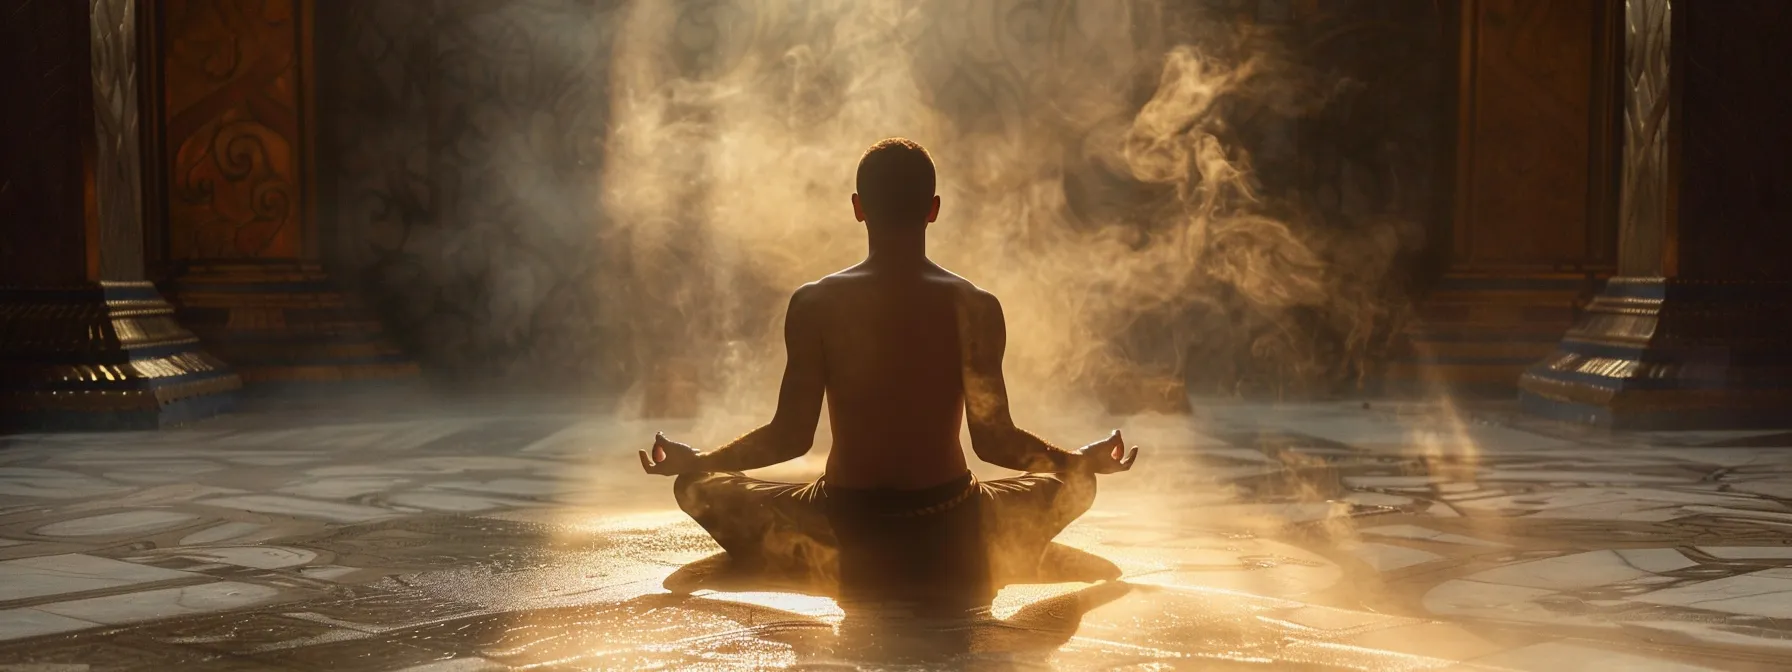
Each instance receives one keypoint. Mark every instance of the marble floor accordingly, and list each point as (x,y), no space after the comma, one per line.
(1324,536)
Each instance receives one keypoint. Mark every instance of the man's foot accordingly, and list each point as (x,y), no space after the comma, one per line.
(712,573)
(1060,563)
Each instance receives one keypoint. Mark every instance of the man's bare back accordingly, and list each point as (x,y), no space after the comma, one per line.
(890,343)
(903,351)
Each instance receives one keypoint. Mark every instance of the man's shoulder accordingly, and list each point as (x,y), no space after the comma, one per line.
(957,282)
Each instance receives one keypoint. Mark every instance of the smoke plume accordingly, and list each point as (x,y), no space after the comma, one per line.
(1087,168)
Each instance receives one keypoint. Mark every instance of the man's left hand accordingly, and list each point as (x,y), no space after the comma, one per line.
(669,458)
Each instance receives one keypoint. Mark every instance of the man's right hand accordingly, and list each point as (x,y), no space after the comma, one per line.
(1108,455)
(669,458)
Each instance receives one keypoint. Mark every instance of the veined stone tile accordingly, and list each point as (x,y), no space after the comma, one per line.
(442,501)
(524,487)
(1388,557)
(1715,634)
(223,532)
(73,573)
(1427,534)
(53,484)
(1375,499)
(1752,594)
(1442,641)
(1567,476)
(1567,572)
(302,508)
(1393,481)
(165,603)
(256,557)
(343,487)
(457,665)
(1730,512)
(27,622)
(1657,560)
(327,572)
(1557,656)
(125,522)
(1463,597)
(1749,552)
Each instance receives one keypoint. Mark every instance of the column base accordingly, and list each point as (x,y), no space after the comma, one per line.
(105,356)
(1475,334)
(1671,354)
(283,322)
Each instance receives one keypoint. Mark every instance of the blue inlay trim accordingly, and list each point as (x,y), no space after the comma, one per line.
(1654,384)
(102,385)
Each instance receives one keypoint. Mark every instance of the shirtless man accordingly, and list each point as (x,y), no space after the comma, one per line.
(899,346)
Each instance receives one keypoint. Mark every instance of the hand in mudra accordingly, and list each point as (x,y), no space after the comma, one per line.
(1108,455)
(669,458)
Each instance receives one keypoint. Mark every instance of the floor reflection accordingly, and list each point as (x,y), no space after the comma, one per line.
(1292,537)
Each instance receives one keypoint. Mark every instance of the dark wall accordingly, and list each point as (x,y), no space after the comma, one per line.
(461,145)
(463,141)
(45,130)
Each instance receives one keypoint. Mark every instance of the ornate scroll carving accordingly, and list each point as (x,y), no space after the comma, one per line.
(1643,211)
(232,93)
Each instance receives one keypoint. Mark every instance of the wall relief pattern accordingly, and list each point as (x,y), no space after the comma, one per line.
(233,129)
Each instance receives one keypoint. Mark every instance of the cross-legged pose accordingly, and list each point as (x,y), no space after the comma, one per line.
(904,351)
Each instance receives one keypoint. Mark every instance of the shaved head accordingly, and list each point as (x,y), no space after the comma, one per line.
(896,182)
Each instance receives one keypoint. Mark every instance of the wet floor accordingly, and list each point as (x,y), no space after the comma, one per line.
(1332,536)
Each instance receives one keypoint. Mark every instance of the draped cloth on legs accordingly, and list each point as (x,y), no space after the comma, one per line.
(947,546)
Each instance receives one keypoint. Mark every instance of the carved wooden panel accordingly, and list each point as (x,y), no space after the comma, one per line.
(43,127)
(1645,210)
(1526,152)
(233,130)
(118,173)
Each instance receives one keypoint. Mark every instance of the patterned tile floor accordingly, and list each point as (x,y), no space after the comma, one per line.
(1326,536)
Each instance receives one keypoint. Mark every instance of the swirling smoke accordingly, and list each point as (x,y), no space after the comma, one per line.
(1087,173)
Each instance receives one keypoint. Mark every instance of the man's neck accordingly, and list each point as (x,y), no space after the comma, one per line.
(897,244)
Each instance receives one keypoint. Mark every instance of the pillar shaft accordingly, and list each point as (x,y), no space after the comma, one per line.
(85,341)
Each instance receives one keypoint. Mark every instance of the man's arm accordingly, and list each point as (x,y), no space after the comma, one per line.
(983,336)
(791,432)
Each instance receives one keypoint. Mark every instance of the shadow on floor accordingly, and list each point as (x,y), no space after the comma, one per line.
(1060,564)
(883,638)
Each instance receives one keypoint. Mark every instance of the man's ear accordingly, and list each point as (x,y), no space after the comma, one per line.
(858,211)
(933,212)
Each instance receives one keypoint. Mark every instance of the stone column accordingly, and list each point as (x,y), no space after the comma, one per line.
(1696,329)
(1535,177)
(238,241)
(85,341)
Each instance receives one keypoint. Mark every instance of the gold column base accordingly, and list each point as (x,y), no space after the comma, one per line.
(1477,333)
(1662,353)
(284,321)
(108,355)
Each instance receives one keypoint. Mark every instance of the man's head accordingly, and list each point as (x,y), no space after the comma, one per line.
(895,185)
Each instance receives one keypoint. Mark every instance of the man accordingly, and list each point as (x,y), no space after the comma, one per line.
(900,347)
